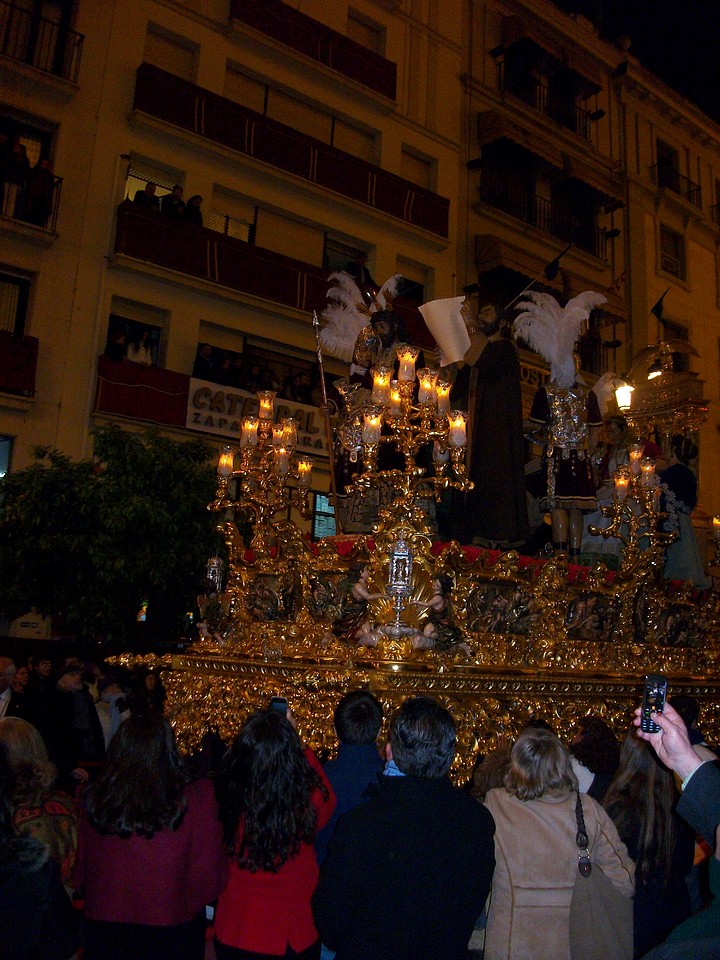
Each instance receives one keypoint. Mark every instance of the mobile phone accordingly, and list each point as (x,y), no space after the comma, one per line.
(653,701)
(280,704)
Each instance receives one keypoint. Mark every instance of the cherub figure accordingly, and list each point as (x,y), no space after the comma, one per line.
(353,624)
(440,632)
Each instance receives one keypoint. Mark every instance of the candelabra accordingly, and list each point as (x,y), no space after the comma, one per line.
(634,513)
(410,413)
(265,465)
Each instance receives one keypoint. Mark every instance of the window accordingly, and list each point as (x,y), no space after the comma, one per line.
(415,280)
(244,89)
(170,52)
(668,166)
(289,237)
(141,172)
(366,32)
(14,295)
(6,445)
(323,523)
(33,144)
(339,253)
(672,252)
(135,332)
(232,215)
(417,167)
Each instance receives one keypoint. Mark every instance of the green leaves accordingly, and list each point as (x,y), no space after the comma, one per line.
(86,541)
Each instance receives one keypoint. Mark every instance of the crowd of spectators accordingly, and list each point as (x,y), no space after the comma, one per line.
(171,204)
(372,855)
(249,374)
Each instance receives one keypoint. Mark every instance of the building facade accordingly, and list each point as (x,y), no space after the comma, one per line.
(451,141)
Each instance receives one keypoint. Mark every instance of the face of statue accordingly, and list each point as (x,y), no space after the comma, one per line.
(488,319)
(616,433)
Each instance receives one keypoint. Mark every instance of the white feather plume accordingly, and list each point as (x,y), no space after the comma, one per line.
(388,291)
(552,330)
(345,316)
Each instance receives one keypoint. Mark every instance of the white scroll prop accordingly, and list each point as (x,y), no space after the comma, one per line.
(447,326)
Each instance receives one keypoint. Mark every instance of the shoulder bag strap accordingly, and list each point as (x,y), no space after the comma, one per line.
(581,838)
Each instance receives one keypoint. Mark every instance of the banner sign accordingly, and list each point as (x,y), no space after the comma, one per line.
(219,410)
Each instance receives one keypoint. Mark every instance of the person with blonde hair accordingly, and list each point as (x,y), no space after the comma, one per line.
(39,810)
(536,852)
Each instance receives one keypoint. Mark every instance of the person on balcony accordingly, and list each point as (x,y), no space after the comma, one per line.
(140,349)
(146,198)
(172,204)
(37,199)
(193,213)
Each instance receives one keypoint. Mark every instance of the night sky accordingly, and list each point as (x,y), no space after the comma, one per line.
(679,40)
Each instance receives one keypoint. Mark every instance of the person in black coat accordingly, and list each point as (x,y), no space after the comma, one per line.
(408,872)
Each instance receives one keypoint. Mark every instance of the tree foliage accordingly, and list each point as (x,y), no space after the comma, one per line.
(87,541)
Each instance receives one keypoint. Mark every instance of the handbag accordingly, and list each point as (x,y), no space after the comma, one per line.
(601,918)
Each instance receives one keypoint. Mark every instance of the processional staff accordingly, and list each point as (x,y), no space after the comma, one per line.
(328,427)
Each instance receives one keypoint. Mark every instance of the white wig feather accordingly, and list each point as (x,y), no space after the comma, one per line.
(552,330)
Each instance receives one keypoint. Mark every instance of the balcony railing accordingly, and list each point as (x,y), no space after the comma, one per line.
(715,213)
(35,201)
(169,98)
(313,39)
(668,177)
(30,38)
(541,213)
(535,91)
(208,255)
(18,364)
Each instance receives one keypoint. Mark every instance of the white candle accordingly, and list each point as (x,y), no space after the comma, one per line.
(395,399)
(372,425)
(278,435)
(407,357)
(249,436)
(282,458)
(226,461)
(621,485)
(648,473)
(289,432)
(381,385)
(457,434)
(426,391)
(442,392)
(636,451)
(265,399)
(304,468)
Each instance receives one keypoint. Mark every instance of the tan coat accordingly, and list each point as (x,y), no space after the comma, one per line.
(536,865)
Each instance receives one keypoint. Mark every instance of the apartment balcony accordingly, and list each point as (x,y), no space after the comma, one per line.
(136,392)
(313,39)
(222,121)
(232,263)
(28,38)
(18,364)
(522,204)
(37,202)
(535,92)
(669,178)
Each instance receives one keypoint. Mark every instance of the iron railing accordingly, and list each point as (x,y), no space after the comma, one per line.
(542,213)
(664,175)
(27,36)
(535,91)
(23,202)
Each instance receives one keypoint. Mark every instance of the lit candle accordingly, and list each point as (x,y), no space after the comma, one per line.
(290,432)
(278,435)
(249,436)
(226,461)
(282,459)
(623,395)
(457,434)
(442,393)
(648,473)
(381,385)
(395,399)
(265,399)
(304,470)
(441,454)
(622,481)
(716,526)
(636,451)
(426,391)
(372,425)
(407,356)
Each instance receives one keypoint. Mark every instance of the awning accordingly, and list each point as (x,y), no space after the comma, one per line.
(493,125)
(601,181)
(554,53)
(492,252)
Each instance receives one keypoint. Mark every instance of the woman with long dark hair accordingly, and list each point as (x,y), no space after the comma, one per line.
(595,756)
(273,798)
(640,802)
(150,851)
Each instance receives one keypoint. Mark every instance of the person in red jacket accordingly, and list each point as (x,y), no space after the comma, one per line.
(150,850)
(273,798)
